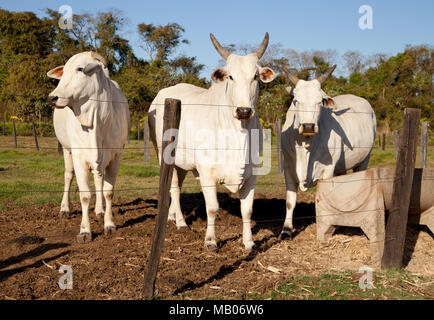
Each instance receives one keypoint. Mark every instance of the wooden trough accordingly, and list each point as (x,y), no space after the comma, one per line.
(361,199)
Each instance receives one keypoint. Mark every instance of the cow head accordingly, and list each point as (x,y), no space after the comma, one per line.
(308,101)
(79,82)
(240,76)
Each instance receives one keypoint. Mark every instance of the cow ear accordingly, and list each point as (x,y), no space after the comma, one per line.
(56,73)
(328,102)
(91,68)
(290,90)
(219,74)
(266,74)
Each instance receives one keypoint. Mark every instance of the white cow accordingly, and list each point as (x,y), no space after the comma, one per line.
(227,109)
(91,121)
(323,137)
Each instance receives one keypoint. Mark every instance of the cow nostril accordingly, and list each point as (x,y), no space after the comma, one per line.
(308,127)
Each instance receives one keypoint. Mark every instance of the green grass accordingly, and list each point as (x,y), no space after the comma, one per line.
(389,284)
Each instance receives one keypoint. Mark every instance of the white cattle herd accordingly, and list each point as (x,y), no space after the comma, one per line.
(322,136)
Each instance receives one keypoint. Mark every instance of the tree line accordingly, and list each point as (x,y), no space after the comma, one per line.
(30,46)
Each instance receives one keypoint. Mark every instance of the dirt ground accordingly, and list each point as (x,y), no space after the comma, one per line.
(36,241)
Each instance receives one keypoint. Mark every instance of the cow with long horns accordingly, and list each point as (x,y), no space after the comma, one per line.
(322,137)
(213,136)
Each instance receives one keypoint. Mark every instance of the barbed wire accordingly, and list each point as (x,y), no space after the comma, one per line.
(380,180)
(176,148)
(202,105)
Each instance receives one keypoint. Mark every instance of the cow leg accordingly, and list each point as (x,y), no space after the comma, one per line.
(69,175)
(291,200)
(99,206)
(209,190)
(175,212)
(82,175)
(99,183)
(246,198)
(109,183)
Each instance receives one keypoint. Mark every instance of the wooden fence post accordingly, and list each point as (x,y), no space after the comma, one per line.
(146,141)
(4,127)
(395,134)
(34,135)
(403,180)
(172,116)
(279,145)
(15,133)
(423,144)
(383,146)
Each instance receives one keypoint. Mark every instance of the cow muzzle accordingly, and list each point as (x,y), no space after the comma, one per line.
(243,113)
(308,129)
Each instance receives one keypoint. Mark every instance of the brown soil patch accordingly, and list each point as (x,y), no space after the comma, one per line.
(35,242)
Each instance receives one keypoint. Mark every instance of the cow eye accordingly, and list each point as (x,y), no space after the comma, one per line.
(256,76)
(80,69)
(230,77)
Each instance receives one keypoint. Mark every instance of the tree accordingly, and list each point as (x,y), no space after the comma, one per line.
(24,33)
(160,41)
(355,61)
(187,65)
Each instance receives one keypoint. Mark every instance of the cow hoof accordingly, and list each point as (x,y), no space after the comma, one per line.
(100,215)
(250,246)
(64,213)
(181,225)
(109,230)
(84,237)
(211,245)
(286,234)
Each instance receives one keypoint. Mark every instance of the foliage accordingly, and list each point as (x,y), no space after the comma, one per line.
(30,46)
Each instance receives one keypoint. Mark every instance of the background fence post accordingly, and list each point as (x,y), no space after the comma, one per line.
(383,146)
(146,141)
(15,133)
(138,130)
(398,214)
(34,135)
(423,144)
(279,144)
(4,127)
(172,116)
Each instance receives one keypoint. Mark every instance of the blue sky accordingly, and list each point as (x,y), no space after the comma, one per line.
(301,25)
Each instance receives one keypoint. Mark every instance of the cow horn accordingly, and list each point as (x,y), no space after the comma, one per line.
(99,57)
(322,78)
(260,52)
(293,79)
(222,51)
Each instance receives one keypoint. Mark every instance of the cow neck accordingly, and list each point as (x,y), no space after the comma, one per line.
(225,112)
(103,108)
